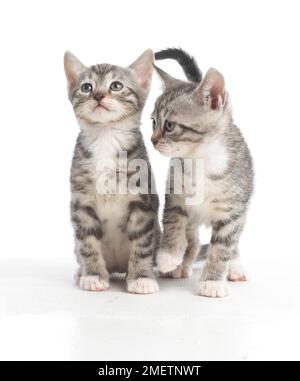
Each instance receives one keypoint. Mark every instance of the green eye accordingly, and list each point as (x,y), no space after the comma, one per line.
(86,88)
(116,86)
(169,125)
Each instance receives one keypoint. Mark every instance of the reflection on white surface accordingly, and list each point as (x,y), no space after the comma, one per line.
(43,317)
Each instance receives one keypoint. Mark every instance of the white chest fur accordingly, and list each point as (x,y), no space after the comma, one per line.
(108,147)
(214,157)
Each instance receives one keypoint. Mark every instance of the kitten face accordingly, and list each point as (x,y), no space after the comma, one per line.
(186,115)
(103,94)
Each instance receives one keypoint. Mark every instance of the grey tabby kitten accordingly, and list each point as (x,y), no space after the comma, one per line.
(194,120)
(114,232)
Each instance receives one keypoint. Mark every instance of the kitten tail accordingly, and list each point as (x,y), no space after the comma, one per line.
(187,62)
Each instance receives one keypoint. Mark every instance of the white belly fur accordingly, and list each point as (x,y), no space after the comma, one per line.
(112,211)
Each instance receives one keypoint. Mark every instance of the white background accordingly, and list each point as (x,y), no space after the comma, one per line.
(255,44)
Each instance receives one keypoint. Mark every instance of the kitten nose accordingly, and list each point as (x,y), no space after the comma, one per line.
(156,136)
(157,139)
(98,96)
(154,140)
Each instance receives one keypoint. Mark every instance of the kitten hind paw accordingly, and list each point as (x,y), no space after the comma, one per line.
(142,286)
(167,262)
(181,271)
(213,289)
(93,283)
(236,272)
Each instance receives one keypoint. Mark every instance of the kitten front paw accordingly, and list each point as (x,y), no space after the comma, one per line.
(213,289)
(93,283)
(167,262)
(236,272)
(142,286)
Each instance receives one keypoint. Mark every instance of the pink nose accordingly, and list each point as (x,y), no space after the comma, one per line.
(98,96)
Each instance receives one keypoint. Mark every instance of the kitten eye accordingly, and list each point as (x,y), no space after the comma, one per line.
(86,88)
(169,125)
(153,123)
(116,86)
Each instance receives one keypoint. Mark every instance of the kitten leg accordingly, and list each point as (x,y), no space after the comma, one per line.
(185,270)
(174,242)
(92,274)
(224,240)
(213,278)
(142,226)
(236,272)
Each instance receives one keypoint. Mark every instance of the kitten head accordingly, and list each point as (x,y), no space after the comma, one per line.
(187,114)
(106,94)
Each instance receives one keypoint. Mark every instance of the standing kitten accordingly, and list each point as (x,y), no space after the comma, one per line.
(114,232)
(194,121)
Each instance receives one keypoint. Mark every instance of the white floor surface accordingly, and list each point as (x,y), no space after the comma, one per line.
(44,317)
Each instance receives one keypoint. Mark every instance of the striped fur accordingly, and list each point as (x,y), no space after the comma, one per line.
(203,129)
(113,232)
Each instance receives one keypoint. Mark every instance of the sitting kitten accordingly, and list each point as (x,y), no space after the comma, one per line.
(193,120)
(113,232)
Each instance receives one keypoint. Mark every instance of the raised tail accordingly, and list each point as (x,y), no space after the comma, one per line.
(187,62)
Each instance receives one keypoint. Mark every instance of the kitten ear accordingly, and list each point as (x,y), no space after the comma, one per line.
(142,68)
(167,80)
(211,90)
(72,68)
